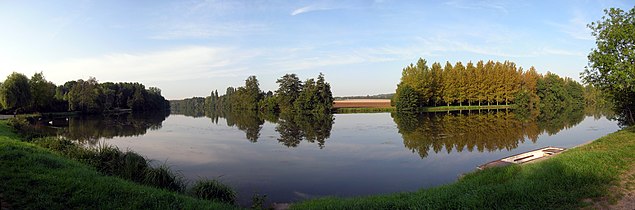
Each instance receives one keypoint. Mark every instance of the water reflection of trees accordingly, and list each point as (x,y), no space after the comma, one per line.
(91,128)
(293,128)
(488,131)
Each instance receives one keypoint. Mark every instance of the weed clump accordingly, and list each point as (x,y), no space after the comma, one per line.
(163,177)
(214,190)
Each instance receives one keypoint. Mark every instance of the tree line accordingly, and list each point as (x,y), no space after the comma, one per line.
(313,96)
(483,83)
(19,94)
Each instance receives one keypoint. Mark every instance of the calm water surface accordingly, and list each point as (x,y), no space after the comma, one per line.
(347,155)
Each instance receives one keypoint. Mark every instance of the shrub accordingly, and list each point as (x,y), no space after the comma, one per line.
(107,159)
(133,167)
(214,190)
(163,177)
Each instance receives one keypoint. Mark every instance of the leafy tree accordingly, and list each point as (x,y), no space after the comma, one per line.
(84,96)
(289,87)
(42,92)
(611,65)
(15,92)
(408,100)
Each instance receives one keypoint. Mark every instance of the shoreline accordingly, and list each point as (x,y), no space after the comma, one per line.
(513,182)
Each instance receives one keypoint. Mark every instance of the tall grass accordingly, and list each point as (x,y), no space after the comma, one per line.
(164,177)
(213,190)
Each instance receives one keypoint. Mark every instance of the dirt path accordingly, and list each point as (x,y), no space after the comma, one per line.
(621,196)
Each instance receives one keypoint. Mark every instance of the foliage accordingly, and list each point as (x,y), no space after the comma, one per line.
(407,99)
(258,201)
(214,190)
(611,65)
(289,87)
(164,177)
(314,96)
(15,92)
(43,92)
(18,93)
(484,83)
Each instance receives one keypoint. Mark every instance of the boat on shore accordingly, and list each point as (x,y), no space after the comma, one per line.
(523,157)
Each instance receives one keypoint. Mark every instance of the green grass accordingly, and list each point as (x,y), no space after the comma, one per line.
(561,182)
(32,177)
(364,110)
(458,108)
(423,109)
(213,190)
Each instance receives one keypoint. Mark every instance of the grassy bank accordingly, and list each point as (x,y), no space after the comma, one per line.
(363,110)
(459,108)
(36,178)
(561,182)
(423,109)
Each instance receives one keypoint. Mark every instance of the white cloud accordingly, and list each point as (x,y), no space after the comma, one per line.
(177,64)
(500,6)
(190,30)
(309,8)
(575,27)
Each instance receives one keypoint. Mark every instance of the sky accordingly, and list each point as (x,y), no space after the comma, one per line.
(189,48)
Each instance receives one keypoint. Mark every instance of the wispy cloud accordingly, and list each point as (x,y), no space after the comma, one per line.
(335,5)
(309,8)
(177,64)
(575,27)
(497,5)
(202,31)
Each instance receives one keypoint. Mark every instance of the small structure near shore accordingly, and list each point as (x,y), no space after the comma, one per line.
(523,157)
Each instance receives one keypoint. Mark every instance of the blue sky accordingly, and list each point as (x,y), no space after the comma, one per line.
(189,48)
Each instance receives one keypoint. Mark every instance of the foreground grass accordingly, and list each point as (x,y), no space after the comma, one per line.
(561,182)
(35,178)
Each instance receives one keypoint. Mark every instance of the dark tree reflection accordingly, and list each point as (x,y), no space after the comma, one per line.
(91,128)
(487,131)
(292,127)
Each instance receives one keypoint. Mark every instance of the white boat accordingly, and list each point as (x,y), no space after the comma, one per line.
(523,157)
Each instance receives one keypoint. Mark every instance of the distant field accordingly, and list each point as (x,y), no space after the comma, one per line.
(362,103)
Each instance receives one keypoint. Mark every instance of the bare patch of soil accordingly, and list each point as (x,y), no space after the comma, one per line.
(621,196)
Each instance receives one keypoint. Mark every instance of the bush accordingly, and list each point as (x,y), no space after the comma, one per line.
(163,177)
(133,167)
(107,159)
(18,123)
(214,190)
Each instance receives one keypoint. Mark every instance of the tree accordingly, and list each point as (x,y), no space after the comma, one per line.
(252,93)
(15,92)
(42,92)
(84,95)
(611,65)
(325,96)
(407,99)
(289,87)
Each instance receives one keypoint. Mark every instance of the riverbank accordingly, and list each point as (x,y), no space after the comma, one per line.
(462,108)
(36,178)
(565,181)
(346,110)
